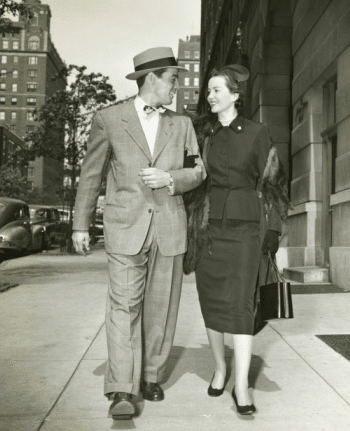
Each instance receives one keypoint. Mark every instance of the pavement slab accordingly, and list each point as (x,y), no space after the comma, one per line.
(54,354)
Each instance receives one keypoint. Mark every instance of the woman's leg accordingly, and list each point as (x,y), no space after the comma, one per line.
(243,345)
(216,341)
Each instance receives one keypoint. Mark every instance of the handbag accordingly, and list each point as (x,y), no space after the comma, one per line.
(276,297)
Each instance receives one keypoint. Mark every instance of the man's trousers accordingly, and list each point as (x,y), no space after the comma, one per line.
(142,306)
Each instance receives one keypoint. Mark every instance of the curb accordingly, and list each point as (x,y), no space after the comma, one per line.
(6,286)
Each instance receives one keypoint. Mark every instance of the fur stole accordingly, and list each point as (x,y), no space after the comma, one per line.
(274,193)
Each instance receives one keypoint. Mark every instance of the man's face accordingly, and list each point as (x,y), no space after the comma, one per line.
(165,86)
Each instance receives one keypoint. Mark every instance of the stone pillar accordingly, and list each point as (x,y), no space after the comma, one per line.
(305,222)
(340,201)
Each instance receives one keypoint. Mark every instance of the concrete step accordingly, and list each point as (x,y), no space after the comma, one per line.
(307,274)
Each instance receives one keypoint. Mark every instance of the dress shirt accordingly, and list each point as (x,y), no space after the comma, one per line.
(149,122)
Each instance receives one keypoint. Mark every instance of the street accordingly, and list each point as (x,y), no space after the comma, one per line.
(53,354)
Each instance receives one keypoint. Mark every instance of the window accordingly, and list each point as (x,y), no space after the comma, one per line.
(15,74)
(30,185)
(32,73)
(187,81)
(30,129)
(3,86)
(13,127)
(15,58)
(31,88)
(2,100)
(34,20)
(14,88)
(196,54)
(186,95)
(3,73)
(4,59)
(33,60)
(5,44)
(15,44)
(13,115)
(30,116)
(31,101)
(34,43)
(196,82)
(187,66)
(30,171)
(187,54)
(196,67)
(2,115)
(13,100)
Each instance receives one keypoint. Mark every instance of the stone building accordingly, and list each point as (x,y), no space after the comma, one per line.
(298,54)
(189,58)
(28,61)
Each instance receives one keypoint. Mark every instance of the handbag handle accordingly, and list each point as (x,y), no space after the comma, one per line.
(273,266)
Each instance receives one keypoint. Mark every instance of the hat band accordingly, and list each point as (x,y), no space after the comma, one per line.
(161,62)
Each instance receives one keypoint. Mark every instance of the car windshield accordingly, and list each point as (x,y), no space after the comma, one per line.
(37,213)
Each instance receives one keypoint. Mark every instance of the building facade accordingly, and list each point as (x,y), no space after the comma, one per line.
(28,61)
(189,58)
(298,54)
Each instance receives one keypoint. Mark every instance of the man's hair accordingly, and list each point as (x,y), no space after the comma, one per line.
(140,81)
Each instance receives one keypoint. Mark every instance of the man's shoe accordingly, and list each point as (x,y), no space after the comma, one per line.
(152,391)
(122,407)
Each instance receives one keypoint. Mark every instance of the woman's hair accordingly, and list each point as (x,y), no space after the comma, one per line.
(233,85)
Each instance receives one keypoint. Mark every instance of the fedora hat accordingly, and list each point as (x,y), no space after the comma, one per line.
(153,59)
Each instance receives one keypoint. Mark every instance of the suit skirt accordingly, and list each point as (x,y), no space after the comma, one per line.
(226,276)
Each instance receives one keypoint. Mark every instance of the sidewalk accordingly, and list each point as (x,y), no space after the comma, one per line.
(53,355)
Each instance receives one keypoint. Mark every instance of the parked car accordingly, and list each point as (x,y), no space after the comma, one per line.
(50,219)
(17,230)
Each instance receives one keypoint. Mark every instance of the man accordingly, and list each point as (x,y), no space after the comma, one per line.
(143,145)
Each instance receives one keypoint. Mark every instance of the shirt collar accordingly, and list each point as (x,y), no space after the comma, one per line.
(140,104)
(237,124)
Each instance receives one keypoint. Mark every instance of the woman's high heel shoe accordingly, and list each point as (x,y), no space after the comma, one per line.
(212,392)
(243,410)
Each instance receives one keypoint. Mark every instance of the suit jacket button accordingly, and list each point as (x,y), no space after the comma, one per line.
(150,210)
(149,164)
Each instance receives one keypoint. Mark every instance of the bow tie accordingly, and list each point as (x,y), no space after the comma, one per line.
(150,109)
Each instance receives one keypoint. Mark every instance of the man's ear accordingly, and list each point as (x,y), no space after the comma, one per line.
(152,77)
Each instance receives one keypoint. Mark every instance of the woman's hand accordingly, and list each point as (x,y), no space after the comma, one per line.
(271,242)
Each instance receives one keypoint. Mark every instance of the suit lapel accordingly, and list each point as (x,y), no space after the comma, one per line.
(164,132)
(134,129)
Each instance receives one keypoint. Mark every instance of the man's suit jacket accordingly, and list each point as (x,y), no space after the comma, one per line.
(117,138)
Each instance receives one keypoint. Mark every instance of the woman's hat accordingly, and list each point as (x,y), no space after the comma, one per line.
(153,59)
(236,72)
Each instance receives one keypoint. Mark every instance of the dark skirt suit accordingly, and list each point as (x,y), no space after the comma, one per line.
(227,270)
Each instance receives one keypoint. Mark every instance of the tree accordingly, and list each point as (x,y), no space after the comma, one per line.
(12,183)
(64,123)
(14,8)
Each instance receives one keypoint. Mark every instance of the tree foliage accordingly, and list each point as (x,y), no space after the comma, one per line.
(12,183)
(64,121)
(13,8)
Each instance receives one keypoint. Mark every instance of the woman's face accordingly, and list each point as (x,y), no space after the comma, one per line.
(219,96)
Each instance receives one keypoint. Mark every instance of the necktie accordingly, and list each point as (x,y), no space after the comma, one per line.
(150,109)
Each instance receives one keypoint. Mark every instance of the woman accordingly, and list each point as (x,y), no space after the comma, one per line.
(224,224)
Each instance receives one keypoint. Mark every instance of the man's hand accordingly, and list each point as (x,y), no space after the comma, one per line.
(81,241)
(155,178)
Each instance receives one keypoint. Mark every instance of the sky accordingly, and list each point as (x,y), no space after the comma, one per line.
(105,35)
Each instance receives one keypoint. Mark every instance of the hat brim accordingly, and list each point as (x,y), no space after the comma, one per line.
(135,75)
